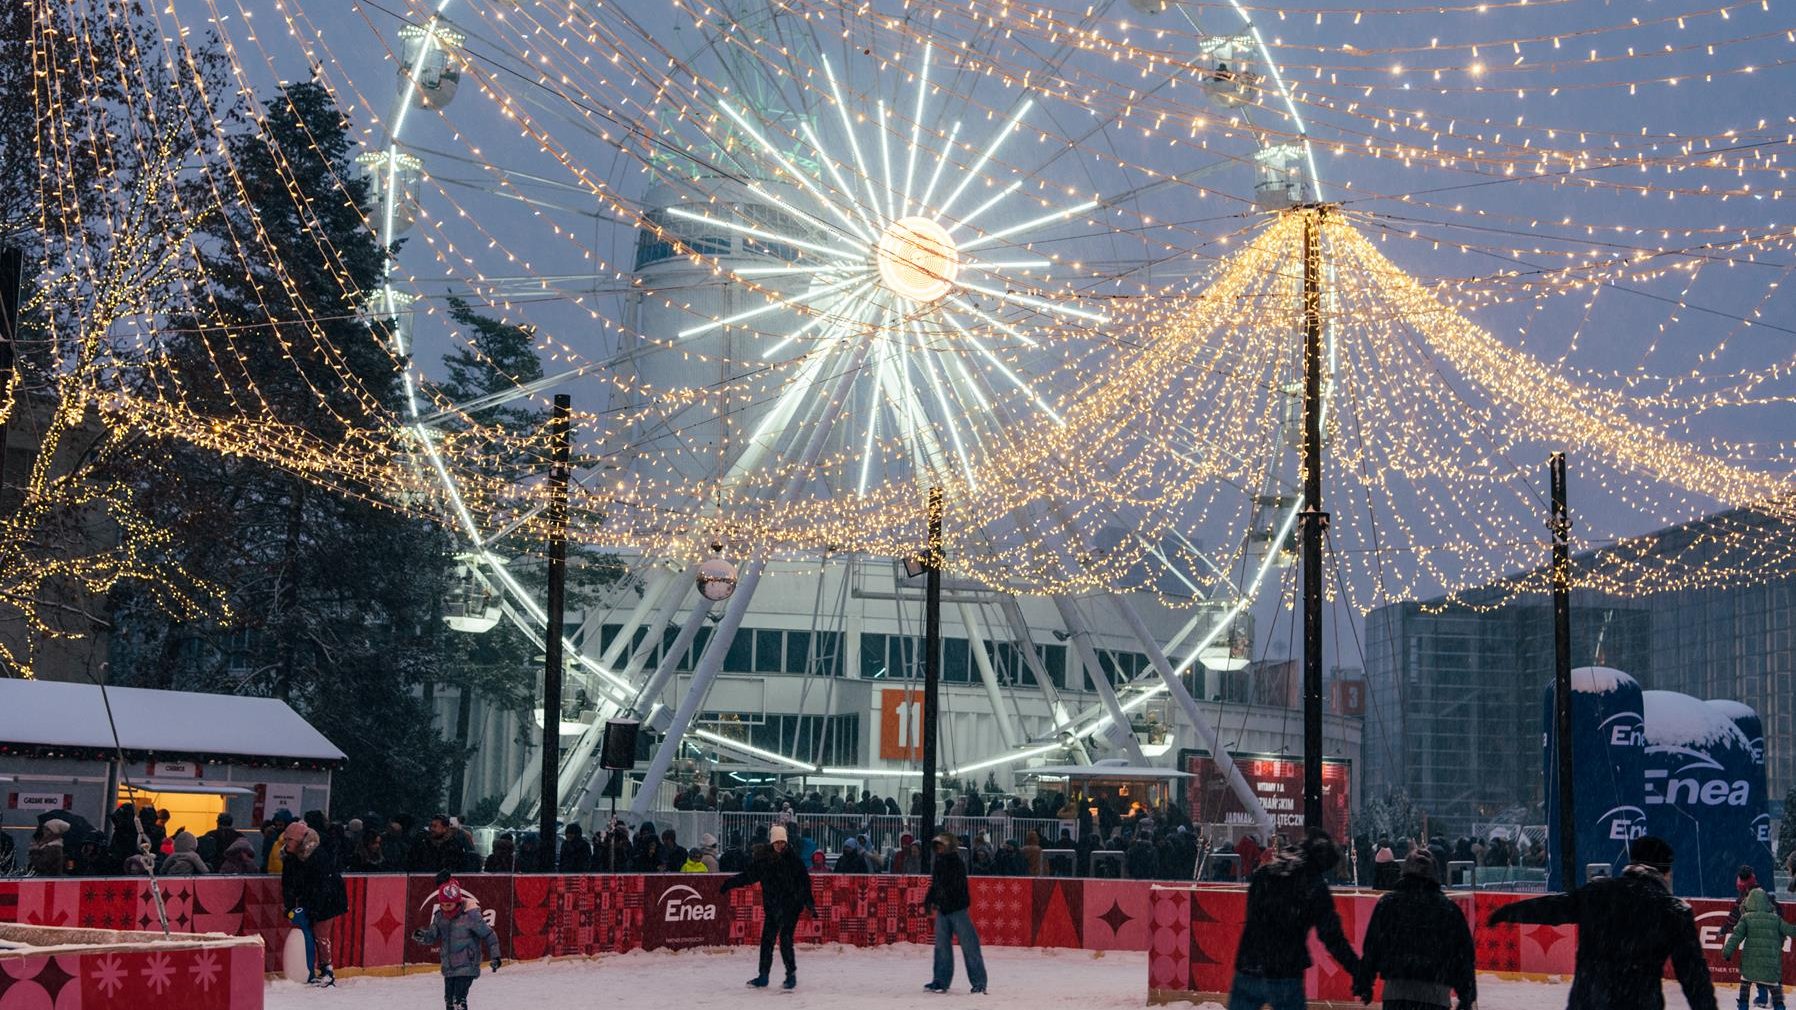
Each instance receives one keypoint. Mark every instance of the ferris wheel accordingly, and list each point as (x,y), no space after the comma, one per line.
(857,268)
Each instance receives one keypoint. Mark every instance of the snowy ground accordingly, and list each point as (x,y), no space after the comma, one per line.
(829,979)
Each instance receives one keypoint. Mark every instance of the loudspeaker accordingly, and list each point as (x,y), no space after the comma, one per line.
(618,752)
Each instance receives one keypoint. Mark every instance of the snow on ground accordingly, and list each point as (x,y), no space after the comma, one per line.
(830,978)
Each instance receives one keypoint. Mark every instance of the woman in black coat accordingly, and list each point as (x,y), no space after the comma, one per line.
(785,892)
(313,893)
(1419,942)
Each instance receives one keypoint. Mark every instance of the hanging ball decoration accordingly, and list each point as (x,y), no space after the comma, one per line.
(716,579)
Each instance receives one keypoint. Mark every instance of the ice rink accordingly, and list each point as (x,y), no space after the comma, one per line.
(830,978)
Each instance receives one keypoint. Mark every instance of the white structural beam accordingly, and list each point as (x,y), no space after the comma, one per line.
(969,619)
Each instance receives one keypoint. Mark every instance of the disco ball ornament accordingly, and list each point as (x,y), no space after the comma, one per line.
(716,579)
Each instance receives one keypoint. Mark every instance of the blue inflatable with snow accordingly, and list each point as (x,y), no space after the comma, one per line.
(1609,752)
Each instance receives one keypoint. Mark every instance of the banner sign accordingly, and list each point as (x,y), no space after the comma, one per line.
(1608,730)
(38,803)
(493,891)
(1277,781)
(685,910)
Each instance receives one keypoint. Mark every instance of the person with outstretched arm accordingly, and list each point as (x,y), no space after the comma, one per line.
(785,892)
(1628,927)
(1286,898)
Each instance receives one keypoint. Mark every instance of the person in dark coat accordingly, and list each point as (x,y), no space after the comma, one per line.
(441,848)
(1286,898)
(1628,926)
(950,899)
(313,895)
(785,892)
(1419,942)
(576,851)
(218,841)
(851,860)
(1142,859)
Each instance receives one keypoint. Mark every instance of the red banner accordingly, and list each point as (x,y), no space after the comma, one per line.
(685,910)
(493,891)
(1278,782)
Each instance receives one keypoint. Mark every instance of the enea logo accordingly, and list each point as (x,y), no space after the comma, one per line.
(1623,824)
(1690,786)
(1625,729)
(1761,829)
(680,903)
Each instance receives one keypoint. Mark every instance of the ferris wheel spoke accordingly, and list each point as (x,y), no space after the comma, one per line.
(948,413)
(1059,215)
(823,316)
(765,235)
(802,178)
(1006,371)
(916,127)
(985,156)
(854,144)
(982,208)
(829,165)
(941,162)
(773,305)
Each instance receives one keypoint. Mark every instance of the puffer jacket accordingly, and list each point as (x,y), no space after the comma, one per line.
(1759,937)
(1417,935)
(1628,926)
(461,936)
(185,861)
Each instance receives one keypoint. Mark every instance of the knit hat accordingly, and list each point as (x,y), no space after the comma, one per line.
(1420,863)
(777,833)
(449,898)
(185,842)
(849,844)
(1651,850)
(707,841)
(56,827)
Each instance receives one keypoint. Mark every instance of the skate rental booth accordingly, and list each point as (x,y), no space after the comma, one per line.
(194,755)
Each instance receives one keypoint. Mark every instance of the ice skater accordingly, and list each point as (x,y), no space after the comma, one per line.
(785,892)
(1628,926)
(1286,898)
(458,927)
(951,901)
(1759,939)
(1419,942)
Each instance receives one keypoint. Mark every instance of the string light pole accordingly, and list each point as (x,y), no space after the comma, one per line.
(932,661)
(1560,525)
(1312,521)
(556,605)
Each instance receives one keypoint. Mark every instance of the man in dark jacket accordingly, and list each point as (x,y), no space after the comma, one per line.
(441,848)
(1628,926)
(1142,859)
(1420,943)
(851,860)
(576,853)
(785,892)
(1287,898)
(219,840)
(950,898)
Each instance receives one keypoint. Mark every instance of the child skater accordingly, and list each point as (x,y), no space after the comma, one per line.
(458,927)
(1759,936)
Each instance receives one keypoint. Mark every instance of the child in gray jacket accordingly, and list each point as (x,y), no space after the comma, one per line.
(458,927)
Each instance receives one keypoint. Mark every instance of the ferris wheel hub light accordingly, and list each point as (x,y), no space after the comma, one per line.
(917,259)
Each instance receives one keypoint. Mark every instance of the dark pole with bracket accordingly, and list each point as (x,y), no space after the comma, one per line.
(1313,522)
(1560,525)
(556,605)
(932,661)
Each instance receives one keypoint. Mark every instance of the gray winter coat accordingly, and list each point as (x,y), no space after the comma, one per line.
(461,937)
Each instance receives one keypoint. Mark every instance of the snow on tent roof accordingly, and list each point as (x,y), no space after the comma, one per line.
(48,714)
(1598,679)
(1732,709)
(1678,720)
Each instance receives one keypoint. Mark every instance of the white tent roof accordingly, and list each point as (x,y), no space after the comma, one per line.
(48,714)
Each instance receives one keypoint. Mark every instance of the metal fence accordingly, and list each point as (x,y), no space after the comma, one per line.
(830,830)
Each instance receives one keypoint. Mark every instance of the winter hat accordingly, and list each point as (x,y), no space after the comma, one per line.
(294,834)
(1319,852)
(817,860)
(449,898)
(282,816)
(354,827)
(1745,880)
(1651,850)
(707,841)
(185,842)
(947,841)
(1420,863)
(56,827)
(777,833)
(849,844)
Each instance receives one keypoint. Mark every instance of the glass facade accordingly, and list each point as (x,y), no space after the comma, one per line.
(1453,712)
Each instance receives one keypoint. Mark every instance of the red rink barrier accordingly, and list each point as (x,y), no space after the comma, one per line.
(1190,931)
